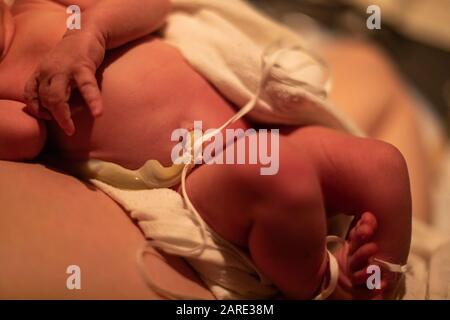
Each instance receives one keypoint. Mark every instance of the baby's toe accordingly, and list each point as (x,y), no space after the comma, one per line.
(361,292)
(361,257)
(363,231)
(369,220)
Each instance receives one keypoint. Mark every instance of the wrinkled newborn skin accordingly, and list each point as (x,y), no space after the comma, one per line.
(148,90)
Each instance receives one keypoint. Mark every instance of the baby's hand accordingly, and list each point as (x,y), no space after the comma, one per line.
(72,63)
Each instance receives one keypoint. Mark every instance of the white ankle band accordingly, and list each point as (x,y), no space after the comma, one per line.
(334,275)
(397,268)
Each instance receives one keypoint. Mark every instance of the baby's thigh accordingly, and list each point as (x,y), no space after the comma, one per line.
(22,137)
(356,174)
(232,197)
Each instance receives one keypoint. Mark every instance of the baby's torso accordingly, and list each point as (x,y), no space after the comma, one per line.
(148,91)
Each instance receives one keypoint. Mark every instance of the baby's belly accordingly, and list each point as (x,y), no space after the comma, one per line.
(148,91)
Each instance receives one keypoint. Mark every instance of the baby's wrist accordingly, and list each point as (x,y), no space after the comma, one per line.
(88,33)
(90,41)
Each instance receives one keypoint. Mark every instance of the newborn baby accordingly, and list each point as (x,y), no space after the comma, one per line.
(112,92)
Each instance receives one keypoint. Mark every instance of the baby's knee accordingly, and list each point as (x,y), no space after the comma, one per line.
(388,162)
(389,177)
(21,140)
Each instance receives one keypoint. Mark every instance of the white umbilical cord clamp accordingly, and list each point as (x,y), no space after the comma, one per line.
(392,267)
(334,271)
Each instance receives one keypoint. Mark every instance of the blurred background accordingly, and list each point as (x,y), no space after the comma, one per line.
(415,33)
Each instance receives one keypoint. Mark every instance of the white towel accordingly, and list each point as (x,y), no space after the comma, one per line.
(163,217)
(225,40)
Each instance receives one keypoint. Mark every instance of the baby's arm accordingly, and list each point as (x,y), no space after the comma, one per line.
(116,22)
(106,24)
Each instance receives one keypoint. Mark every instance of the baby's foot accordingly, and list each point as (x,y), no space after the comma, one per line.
(354,258)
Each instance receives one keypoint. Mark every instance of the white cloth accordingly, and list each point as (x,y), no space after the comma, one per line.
(225,40)
(428,275)
(163,218)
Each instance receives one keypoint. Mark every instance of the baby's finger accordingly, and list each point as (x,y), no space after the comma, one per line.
(88,87)
(51,99)
(54,91)
(62,116)
(32,99)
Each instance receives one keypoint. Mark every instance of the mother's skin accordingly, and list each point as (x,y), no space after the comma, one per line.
(50,221)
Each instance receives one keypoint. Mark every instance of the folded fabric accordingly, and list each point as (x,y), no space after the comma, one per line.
(428,275)
(163,218)
(225,40)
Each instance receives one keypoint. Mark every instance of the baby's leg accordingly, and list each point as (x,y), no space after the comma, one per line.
(359,175)
(280,218)
(22,137)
